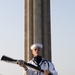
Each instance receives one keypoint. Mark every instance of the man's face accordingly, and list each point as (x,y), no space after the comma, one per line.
(36,51)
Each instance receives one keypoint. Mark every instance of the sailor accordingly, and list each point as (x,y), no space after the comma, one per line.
(38,61)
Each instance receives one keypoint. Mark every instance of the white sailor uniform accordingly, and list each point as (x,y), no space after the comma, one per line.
(44,64)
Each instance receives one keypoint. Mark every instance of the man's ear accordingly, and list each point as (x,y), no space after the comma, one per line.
(32,51)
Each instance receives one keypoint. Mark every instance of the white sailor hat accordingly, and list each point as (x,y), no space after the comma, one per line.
(36,45)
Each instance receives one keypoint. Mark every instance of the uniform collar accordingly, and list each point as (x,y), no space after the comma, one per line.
(37,60)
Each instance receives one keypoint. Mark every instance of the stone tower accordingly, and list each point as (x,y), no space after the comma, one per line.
(37,28)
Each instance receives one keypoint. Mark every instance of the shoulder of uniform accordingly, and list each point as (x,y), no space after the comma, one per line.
(45,61)
(49,62)
(30,61)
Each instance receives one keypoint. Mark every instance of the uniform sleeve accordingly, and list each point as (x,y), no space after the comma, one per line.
(52,69)
(28,72)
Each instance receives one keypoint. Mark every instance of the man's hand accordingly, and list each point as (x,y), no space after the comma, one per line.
(47,72)
(21,63)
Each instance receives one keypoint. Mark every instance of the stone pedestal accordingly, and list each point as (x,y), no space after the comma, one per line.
(37,27)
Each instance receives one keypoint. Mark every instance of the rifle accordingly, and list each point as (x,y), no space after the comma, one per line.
(11,60)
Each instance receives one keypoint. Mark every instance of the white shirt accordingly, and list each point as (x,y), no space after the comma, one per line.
(45,65)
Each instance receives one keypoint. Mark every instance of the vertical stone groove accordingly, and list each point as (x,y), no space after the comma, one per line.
(37,27)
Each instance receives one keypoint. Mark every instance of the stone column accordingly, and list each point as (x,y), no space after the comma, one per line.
(37,28)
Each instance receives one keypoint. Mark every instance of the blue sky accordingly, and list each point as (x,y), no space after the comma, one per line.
(62,30)
(11,34)
(63,35)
